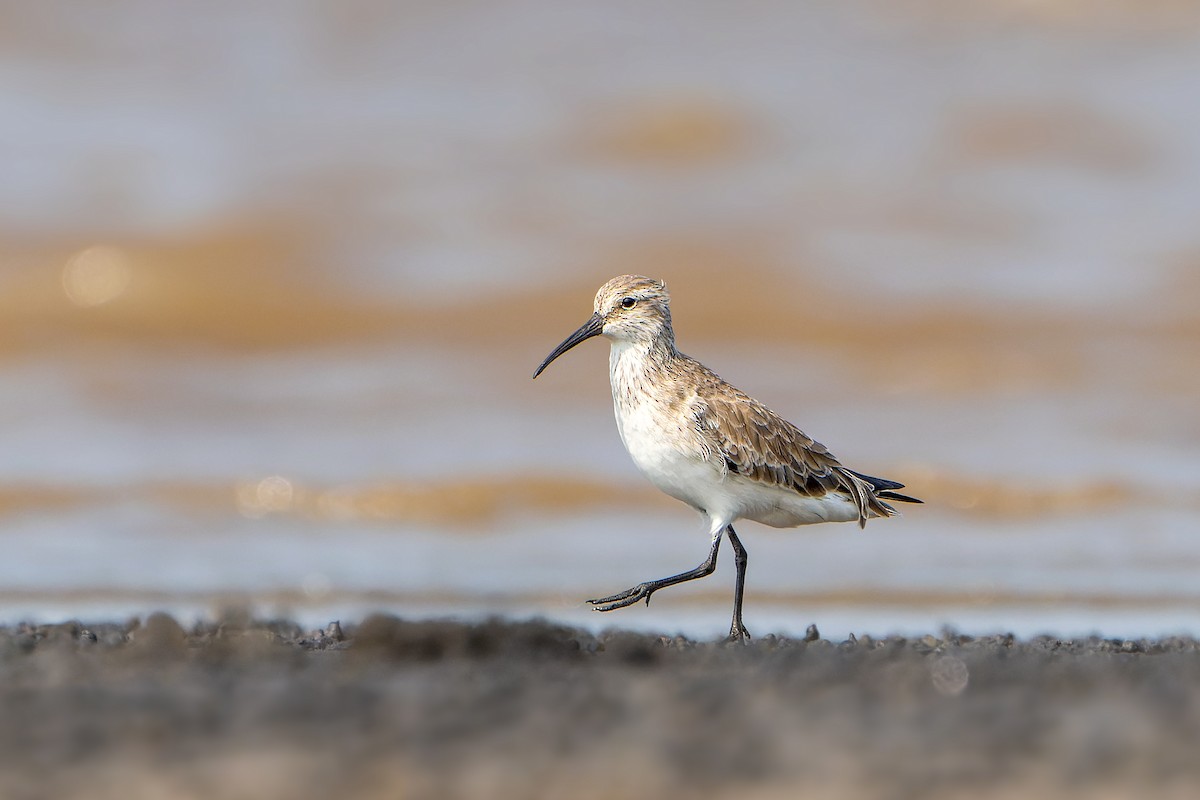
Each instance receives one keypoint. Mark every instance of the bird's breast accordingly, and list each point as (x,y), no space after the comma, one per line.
(658,433)
(666,455)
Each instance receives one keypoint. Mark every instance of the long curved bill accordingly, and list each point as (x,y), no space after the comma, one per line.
(592,327)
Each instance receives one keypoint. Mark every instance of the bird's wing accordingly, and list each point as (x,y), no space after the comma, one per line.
(758,444)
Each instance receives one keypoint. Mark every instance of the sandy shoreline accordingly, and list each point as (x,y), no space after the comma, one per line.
(387,708)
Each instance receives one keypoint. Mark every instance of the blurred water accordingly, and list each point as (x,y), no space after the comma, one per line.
(275,278)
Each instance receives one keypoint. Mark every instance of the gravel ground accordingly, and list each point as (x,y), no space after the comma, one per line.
(243,708)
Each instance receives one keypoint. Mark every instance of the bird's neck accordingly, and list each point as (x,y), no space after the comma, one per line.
(635,366)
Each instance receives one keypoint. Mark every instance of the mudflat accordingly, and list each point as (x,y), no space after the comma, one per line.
(389,708)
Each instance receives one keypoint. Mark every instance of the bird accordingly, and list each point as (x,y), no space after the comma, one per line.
(705,442)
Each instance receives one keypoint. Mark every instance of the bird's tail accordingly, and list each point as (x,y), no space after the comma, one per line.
(883,489)
(871,504)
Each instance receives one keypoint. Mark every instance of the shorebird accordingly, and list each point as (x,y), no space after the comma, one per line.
(705,442)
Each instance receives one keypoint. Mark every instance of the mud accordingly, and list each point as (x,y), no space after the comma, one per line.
(390,708)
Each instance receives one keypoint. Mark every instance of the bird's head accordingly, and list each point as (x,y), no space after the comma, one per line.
(629,308)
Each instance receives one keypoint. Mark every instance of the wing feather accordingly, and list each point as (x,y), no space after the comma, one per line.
(758,444)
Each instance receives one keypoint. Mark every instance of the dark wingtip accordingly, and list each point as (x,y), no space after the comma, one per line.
(900,498)
(885,489)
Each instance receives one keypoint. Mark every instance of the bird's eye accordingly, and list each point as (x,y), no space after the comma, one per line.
(628,302)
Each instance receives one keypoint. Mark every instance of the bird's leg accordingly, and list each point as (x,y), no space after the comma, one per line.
(643,590)
(737,631)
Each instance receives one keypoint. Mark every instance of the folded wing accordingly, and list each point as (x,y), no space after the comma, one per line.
(758,444)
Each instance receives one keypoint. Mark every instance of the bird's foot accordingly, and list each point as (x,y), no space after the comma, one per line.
(626,598)
(738,633)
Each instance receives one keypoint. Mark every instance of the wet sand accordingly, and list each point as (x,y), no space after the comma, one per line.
(388,708)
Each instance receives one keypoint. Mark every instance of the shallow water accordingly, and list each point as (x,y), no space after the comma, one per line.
(274,282)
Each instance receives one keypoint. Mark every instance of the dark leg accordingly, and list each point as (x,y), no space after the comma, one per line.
(644,590)
(737,631)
